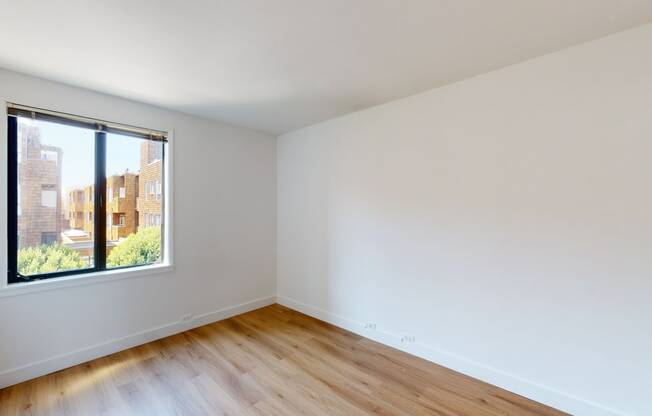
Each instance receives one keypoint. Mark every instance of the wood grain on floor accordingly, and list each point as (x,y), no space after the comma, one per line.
(272,361)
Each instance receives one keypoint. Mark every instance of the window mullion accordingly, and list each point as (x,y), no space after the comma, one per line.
(100,203)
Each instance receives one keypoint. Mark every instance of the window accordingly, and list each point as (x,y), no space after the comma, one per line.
(49,196)
(58,167)
(48,238)
(151,190)
(49,155)
(156,154)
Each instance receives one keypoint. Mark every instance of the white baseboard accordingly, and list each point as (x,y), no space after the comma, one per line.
(542,394)
(59,362)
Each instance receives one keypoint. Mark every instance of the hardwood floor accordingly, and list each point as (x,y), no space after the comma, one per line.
(272,361)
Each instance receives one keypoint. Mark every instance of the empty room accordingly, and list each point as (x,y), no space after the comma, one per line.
(326,207)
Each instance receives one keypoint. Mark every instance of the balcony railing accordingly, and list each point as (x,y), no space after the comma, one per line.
(120,205)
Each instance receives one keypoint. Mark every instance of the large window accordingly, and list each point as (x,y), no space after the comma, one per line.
(79,195)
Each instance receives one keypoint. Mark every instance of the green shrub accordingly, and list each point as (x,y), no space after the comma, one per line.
(142,247)
(48,259)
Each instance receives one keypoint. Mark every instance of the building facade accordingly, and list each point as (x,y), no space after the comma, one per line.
(76,209)
(121,215)
(39,194)
(151,185)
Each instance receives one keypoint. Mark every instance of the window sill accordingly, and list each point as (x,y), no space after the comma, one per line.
(82,280)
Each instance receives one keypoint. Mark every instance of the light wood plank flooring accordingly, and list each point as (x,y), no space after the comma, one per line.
(272,361)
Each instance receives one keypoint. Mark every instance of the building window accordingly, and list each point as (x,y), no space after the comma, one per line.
(92,148)
(157,154)
(50,155)
(151,190)
(49,195)
(48,238)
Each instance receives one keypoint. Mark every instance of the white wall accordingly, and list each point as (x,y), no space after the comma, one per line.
(504,221)
(224,241)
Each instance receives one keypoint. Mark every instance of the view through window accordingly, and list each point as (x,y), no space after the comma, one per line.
(130,164)
(53,158)
(60,171)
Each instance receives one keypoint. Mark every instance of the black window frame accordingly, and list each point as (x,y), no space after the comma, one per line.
(101,129)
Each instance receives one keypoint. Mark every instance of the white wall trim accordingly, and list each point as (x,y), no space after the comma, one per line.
(59,362)
(168,200)
(510,382)
(92,278)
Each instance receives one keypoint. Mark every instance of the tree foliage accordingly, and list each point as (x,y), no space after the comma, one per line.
(142,247)
(47,259)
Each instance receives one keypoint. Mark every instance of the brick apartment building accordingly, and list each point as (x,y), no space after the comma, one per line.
(149,200)
(121,214)
(133,201)
(76,199)
(39,194)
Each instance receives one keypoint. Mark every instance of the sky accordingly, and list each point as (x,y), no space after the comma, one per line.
(78,146)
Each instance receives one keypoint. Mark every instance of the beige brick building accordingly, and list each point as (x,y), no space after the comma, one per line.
(89,210)
(39,194)
(121,215)
(76,209)
(150,184)
(81,222)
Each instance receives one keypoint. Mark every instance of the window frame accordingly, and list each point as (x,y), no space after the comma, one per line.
(15,280)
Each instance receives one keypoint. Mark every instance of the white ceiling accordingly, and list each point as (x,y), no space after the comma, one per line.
(277,65)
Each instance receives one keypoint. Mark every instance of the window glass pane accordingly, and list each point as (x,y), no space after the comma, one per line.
(132,166)
(56,163)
